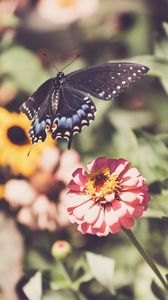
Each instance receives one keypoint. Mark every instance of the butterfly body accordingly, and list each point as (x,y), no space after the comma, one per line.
(63,105)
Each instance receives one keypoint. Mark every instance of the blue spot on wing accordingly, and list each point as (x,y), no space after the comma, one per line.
(37,130)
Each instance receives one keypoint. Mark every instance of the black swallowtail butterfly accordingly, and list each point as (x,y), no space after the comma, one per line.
(63,105)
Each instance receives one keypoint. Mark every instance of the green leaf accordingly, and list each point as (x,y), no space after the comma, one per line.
(121,118)
(81,272)
(102,269)
(63,295)
(23,67)
(159,206)
(153,157)
(124,144)
(33,289)
(60,278)
(36,261)
(9,20)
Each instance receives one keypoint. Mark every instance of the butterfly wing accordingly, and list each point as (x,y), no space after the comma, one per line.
(75,111)
(31,105)
(43,118)
(106,81)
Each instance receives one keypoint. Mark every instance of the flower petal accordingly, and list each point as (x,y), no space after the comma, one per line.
(122,165)
(110,197)
(92,214)
(80,211)
(99,220)
(110,216)
(127,222)
(132,172)
(73,200)
(80,176)
(97,164)
(128,196)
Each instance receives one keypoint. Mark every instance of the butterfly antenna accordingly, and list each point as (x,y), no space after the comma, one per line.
(30,150)
(50,61)
(71,62)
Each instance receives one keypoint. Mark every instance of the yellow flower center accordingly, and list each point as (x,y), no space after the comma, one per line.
(67,3)
(101,184)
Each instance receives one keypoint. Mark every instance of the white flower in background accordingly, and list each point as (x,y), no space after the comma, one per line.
(63,12)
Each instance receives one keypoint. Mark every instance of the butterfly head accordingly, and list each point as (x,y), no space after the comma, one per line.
(59,79)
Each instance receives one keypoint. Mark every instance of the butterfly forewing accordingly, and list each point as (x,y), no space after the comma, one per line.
(106,81)
(31,105)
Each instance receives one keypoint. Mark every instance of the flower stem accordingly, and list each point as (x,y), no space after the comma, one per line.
(77,294)
(146,257)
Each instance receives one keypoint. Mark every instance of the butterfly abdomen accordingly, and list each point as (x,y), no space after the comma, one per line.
(55,97)
(55,101)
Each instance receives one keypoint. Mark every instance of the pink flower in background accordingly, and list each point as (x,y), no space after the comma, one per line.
(69,161)
(19,192)
(107,197)
(39,201)
(43,214)
(50,159)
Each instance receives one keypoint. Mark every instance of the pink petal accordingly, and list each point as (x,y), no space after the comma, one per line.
(105,232)
(80,211)
(97,164)
(122,165)
(138,212)
(127,222)
(112,164)
(102,231)
(116,204)
(84,227)
(116,227)
(73,186)
(92,214)
(79,176)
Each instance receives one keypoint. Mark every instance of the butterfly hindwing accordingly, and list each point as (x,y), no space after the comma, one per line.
(31,105)
(106,81)
(42,119)
(75,111)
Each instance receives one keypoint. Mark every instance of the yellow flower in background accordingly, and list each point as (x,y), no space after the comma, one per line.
(2,189)
(15,143)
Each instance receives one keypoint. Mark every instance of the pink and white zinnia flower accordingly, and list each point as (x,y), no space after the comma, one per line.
(107,197)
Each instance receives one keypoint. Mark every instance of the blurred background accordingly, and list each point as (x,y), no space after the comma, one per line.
(134,126)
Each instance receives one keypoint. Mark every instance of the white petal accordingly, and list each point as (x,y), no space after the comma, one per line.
(100,220)
(92,214)
(73,200)
(128,196)
(80,211)
(110,217)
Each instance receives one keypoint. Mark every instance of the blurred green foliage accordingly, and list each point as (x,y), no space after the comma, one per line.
(134,126)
